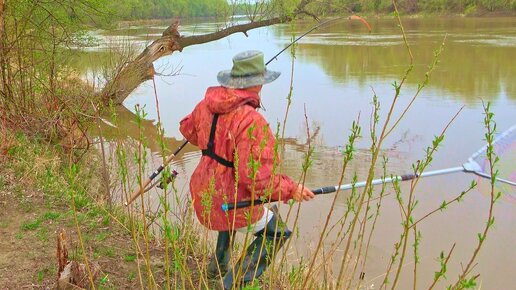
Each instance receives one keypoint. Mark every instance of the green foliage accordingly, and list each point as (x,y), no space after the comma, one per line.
(131,277)
(50,26)
(104,280)
(443,269)
(41,275)
(102,236)
(70,14)
(31,225)
(43,234)
(19,235)
(152,9)
(130,258)
(416,6)
(468,283)
(34,224)
(109,252)
(33,68)
(51,216)
(253,286)
(295,275)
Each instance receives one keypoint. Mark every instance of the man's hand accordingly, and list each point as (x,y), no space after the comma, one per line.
(302,193)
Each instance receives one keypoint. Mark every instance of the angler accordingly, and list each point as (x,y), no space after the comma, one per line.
(146,186)
(226,124)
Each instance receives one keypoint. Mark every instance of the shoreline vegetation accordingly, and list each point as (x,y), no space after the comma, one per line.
(368,15)
(142,10)
(42,199)
(52,182)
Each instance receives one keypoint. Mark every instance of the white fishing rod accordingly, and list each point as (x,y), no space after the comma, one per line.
(472,165)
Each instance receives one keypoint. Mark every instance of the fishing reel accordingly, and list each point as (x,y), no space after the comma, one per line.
(162,183)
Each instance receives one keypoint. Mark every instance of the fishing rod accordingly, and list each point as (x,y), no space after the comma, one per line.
(472,165)
(144,189)
(352,17)
(149,179)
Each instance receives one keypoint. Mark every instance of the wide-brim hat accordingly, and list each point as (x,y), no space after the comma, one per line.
(248,71)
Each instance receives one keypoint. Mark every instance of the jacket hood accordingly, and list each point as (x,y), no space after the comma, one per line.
(221,100)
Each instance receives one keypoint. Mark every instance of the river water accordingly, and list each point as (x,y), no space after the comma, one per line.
(336,70)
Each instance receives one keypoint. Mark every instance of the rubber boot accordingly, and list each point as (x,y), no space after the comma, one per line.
(259,253)
(218,265)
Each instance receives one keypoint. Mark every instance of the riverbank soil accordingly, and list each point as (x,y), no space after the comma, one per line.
(29,222)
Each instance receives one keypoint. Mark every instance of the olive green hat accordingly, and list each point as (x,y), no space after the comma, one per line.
(248,71)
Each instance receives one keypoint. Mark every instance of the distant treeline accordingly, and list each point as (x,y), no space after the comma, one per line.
(152,9)
(422,6)
(474,7)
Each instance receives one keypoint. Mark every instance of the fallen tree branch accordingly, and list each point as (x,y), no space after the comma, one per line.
(141,69)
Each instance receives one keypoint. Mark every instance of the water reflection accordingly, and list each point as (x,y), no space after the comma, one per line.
(473,65)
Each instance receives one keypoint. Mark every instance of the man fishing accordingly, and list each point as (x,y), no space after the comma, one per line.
(237,165)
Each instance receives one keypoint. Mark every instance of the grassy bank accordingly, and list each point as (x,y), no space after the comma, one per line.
(41,195)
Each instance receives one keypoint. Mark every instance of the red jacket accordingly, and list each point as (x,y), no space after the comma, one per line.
(241,133)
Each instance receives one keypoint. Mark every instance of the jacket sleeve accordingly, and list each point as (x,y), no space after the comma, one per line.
(257,163)
(187,128)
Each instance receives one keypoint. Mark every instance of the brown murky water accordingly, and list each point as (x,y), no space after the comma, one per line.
(335,72)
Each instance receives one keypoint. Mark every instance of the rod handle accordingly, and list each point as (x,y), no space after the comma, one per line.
(240,204)
(141,190)
(138,192)
(324,190)
(230,206)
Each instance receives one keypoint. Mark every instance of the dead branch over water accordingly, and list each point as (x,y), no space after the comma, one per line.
(141,69)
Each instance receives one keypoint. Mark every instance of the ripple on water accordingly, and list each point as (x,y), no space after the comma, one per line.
(347,39)
(492,40)
(348,42)
(356,36)
(190,157)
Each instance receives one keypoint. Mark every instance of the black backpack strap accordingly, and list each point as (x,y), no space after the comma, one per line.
(210,150)
(212,131)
